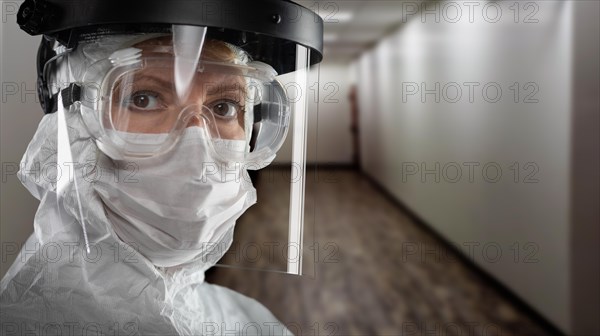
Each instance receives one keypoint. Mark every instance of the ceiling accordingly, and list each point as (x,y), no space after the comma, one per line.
(353,26)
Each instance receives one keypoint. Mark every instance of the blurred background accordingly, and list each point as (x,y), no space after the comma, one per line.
(452,182)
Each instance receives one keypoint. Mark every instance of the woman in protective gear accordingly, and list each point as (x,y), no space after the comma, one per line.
(155,110)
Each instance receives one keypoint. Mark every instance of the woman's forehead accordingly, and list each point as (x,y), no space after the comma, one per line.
(160,66)
(167,75)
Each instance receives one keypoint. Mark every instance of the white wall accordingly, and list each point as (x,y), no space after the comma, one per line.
(19,115)
(400,131)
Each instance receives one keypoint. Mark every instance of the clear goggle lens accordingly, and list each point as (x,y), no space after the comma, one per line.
(143,92)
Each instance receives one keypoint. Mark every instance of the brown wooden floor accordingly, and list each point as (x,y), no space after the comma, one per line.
(362,282)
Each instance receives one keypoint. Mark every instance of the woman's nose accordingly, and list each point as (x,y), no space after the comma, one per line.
(194,121)
(194,111)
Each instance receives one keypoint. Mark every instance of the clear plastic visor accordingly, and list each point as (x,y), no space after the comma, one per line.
(140,100)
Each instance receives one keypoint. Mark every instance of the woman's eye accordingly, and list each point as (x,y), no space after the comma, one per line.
(145,100)
(226,109)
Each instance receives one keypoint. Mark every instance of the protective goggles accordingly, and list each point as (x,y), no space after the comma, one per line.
(141,98)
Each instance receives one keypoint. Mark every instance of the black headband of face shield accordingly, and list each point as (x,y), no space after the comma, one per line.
(268,30)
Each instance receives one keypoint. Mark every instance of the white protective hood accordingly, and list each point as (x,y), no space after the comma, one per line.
(56,288)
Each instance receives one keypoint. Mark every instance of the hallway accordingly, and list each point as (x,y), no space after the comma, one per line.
(457,146)
(377,271)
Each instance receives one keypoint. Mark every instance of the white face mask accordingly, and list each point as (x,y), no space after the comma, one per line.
(176,207)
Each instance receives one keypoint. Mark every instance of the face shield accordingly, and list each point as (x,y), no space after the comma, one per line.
(240,87)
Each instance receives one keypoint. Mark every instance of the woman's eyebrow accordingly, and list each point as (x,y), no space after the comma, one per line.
(214,88)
